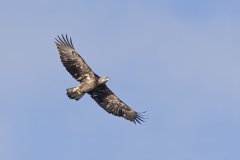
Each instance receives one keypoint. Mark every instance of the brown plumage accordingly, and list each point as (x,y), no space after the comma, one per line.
(71,60)
(91,83)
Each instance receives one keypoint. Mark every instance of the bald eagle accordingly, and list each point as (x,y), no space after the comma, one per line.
(91,83)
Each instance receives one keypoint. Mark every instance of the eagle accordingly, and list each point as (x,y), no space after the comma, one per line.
(91,83)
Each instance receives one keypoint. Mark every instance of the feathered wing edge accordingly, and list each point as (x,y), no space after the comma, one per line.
(65,41)
(140,117)
(112,104)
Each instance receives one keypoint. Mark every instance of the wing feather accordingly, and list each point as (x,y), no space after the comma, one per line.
(112,104)
(71,60)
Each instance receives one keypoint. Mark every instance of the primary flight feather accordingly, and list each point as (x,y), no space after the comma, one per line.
(91,83)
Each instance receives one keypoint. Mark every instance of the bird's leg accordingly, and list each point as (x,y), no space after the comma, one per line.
(79,91)
(75,93)
(76,88)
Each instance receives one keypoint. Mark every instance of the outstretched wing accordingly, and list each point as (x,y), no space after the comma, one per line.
(112,104)
(71,60)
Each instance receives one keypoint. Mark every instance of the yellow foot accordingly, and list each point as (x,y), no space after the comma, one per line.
(79,91)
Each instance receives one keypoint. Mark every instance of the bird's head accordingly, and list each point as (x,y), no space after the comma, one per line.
(103,80)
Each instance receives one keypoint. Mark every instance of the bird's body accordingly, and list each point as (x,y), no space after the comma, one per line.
(91,83)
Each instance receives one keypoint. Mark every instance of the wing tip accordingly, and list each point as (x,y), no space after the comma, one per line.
(140,118)
(64,40)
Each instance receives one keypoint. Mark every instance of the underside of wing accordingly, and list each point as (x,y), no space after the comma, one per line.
(112,104)
(71,60)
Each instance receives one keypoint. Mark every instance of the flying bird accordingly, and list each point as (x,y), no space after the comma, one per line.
(91,83)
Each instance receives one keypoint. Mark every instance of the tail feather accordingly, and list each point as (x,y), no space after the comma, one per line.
(72,94)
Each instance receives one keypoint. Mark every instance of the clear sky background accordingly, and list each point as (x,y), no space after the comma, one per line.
(177,59)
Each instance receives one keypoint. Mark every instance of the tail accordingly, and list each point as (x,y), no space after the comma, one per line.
(72,93)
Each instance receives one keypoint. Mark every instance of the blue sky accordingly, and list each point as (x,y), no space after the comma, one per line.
(179,60)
